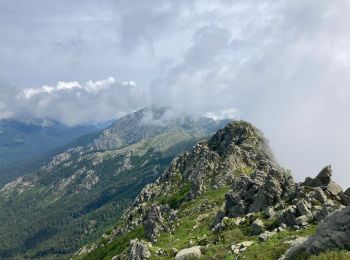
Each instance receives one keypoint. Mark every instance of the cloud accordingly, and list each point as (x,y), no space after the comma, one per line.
(284,65)
(75,103)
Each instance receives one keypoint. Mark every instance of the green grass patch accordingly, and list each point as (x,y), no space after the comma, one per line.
(117,246)
(275,247)
(175,200)
(332,255)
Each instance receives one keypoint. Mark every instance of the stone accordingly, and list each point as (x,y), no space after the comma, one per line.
(301,220)
(266,235)
(322,179)
(139,250)
(320,195)
(284,226)
(257,227)
(344,199)
(297,241)
(334,188)
(269,212)
(153,223)
(332,234)
(241,247)
(347,192)
(287,216)
(189,253)
(303,209)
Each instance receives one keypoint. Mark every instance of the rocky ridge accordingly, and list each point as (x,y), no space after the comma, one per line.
(263,198)
(85,188)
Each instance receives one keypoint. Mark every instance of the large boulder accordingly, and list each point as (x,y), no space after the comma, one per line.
(189,253)
(334,188)
(332,234)
(257,227)
(322,179)
(153,223)
(138,250)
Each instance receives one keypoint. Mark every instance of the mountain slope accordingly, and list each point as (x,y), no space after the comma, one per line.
(24,144)
(227,198)
(80,192)
(21,139)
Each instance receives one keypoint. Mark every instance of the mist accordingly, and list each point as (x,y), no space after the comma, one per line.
(284,66)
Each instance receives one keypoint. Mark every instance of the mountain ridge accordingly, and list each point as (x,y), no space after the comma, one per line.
(81,190)
(226,198)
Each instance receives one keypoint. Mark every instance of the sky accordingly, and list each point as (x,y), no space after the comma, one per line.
(282,65)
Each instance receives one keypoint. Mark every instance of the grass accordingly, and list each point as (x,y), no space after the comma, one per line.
(116,247)
(175,200)
(193,227)
(332,255)
(275,247)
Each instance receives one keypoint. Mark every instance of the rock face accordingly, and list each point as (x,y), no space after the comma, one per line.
(189,253)
(332,233)
(237,149)
(263,198)
(257,192)
(138,250)
(274,192)
(153,223)
(322,179)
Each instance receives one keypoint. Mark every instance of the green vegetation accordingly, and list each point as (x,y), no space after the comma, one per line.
(332,255)
(176,199)
(244,170)
(107,250)
(56,217)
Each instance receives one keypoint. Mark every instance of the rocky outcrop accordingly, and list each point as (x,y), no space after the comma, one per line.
(333,233)
(237,149)
(322,179)
(153,223)
(274,192)
(257,192)
(138,250)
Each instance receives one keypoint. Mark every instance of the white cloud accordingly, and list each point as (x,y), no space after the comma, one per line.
(283,65)
(75,103)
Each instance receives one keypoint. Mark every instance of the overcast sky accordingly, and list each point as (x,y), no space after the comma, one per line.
(283,65)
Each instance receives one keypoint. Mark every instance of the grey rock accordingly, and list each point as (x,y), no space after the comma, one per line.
(269,212)
(322,179)
(153,223)
(344,199)
(189,253)
(303,209)
(320,195)
(257,227)
(138,250)
(266,235)
(332,234)
(301,220)
(334,188)
(347,192)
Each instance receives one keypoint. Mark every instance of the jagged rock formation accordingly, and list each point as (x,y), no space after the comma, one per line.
(275,192)
(263,198)
(153,223)
(332,233)
(237,148)
(87,186)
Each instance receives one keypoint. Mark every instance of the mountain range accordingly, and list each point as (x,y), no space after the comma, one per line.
(228,198)
(85,188)
(160,184)
(25,143)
